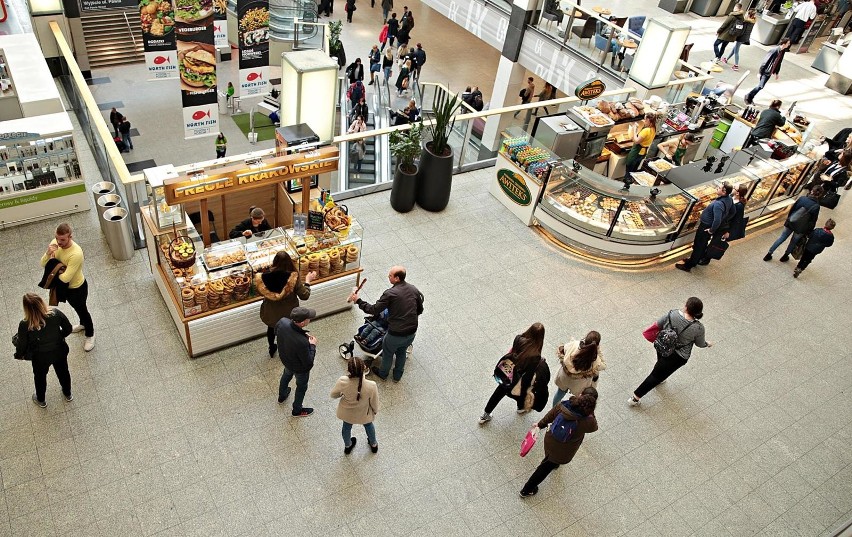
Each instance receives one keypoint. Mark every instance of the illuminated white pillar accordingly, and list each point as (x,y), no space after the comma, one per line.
(309,84)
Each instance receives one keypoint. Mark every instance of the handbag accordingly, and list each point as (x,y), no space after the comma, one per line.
(29,352)
(529,441)
(651,332)
(829,200)
(799,249)
(799,220)
(404,83)
(717,250)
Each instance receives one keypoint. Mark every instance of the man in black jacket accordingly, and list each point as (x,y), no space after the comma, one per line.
(712,218)
(296,348)
(767,122)
(255,223)
(810,204)
(771,65)
(404,304)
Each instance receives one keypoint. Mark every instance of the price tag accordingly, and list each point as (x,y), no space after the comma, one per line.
(316,220)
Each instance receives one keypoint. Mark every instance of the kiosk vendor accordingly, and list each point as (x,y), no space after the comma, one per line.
(254,224)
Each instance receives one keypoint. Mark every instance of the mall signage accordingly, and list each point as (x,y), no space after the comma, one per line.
(220,24)
(590,89)
(233,179)
(514,186)
(196,60)
(158,38)
(99,5)
(253,33)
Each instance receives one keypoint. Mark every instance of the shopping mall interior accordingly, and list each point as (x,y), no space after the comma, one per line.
(751,437)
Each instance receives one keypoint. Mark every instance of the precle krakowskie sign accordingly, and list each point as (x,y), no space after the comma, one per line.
(233,179)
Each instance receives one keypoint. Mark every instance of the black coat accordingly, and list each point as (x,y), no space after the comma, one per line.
(296,353)
(355,71)
(49,341)
(247,225)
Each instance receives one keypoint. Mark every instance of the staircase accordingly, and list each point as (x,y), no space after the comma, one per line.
(110,37)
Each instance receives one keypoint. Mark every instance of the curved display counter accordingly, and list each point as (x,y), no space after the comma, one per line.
(598,217)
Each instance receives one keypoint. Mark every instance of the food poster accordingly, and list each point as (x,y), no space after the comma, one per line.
(220,25)
(196,58)
(253,24)
(158,37)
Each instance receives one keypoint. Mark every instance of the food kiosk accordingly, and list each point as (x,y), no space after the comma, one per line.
(598,218)
(209,287)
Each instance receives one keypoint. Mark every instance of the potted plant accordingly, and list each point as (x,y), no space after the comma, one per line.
(405,144)
(435,177)
(335,47)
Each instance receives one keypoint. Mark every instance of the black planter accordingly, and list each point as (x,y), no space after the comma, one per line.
(404,191)
(434,180)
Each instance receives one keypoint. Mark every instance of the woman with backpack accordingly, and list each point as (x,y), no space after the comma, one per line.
(529,375)
(569,423)
(729,31)
(41,339)
(359,404)
(677,332)
(580,364)
(742,39)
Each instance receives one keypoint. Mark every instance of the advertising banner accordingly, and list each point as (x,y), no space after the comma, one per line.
(196,58)
(158,37)
(220,25)
(100,5)
(253,24)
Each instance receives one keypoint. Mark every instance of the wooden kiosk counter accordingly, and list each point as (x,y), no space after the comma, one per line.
(209,288)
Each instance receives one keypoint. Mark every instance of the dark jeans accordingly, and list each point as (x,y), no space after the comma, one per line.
(719,47)
(77,299)
(795,31)
(806,259)
(764,78)
(395,346)
(270,335)
(540,474)
(220,153)
(665,366)
(41,366)
(699,245)
(499,393)
(301,387)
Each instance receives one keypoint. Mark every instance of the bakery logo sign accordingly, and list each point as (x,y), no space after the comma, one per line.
(590,89)
(514,186)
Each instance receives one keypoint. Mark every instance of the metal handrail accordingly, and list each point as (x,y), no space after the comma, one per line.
(132,37)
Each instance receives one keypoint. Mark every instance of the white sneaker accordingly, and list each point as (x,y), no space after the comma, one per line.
(89,344)
(633,401)
(484,418)
(77,328)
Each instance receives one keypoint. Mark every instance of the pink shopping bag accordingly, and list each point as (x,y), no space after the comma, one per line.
(529,441)
(651,332)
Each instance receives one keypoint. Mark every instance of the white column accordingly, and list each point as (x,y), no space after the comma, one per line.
(507,84)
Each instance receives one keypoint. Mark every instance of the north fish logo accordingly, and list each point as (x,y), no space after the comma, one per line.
(514,187)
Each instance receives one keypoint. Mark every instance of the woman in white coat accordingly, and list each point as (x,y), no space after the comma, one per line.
(359,404)
(580,364)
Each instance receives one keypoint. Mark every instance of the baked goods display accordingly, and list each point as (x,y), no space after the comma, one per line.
(535,161)
(660,166)
(630,109)
(643,178)
(217,259)
(593,115)
(705,194)
(336,218)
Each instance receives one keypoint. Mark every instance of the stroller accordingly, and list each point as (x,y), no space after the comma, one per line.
(369,339)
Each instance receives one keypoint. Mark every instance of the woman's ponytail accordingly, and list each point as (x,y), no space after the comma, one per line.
(356,369)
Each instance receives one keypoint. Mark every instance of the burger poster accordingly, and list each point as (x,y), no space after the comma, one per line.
(220,25)
(253,24)
(196,58)
(158,37)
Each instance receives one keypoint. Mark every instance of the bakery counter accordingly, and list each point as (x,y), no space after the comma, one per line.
(210,292)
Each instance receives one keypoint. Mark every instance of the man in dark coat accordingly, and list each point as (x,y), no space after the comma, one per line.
(771,65)
(810,204)
(713,217)
(297,349)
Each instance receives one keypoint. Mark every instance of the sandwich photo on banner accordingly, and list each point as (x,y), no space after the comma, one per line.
(253,24)
(196,58)
(158,37)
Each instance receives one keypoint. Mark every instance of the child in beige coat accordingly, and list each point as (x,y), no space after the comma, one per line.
(359,403)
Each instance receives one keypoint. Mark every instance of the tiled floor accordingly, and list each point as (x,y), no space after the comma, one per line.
(751,438)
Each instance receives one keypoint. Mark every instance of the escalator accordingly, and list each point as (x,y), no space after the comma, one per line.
(373,165)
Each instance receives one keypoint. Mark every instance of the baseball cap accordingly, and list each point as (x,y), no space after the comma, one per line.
(300,314)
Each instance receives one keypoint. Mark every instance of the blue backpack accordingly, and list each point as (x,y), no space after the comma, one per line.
(562,429)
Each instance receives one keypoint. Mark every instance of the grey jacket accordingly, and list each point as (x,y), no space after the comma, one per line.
(689,332)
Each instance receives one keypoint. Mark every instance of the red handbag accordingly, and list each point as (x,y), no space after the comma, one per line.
(529,441)
(651,332)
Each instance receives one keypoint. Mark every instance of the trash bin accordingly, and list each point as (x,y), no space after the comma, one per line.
(100,189)
(107,201)
(118,234)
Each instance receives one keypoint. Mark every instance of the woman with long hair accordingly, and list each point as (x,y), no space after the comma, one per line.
(527,374)
(402,78)
(690,332)
(569,422)
(281,289)
(41,338)
(359,403)
(580,364)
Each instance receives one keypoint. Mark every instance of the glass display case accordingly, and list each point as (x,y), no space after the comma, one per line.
(582,198)
(224,254)
(705,193)
(328,253)
(260,253)
(163,214)
(30,162)
(791,182)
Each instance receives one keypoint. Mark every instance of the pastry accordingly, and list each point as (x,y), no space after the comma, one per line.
(351,254)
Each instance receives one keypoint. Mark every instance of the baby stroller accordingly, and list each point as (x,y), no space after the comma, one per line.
(369,339)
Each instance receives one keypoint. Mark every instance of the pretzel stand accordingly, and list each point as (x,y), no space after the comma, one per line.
(210,288)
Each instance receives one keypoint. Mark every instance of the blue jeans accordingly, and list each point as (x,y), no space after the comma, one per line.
(368,427)
(395,345)
(719,47)
(760,85)
(786,232)
(735,53)
(126,139)
(301,387)
(387,71)
(558,396)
